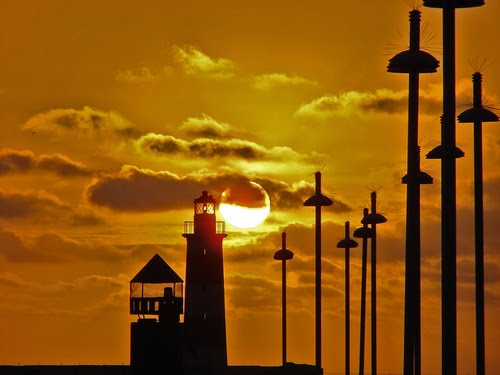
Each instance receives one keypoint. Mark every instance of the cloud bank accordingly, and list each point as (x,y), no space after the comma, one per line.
(141,190)
(13,161)
(205,148)
(86,121)
(357,103)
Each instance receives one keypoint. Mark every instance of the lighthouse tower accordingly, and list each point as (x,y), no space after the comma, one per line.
(204,318)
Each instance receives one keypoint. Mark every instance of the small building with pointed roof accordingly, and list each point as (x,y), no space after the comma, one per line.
(156,296)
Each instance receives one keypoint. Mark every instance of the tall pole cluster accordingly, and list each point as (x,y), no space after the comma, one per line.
(413,62)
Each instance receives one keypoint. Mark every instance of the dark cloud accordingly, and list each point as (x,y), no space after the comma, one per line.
(83,121)
(43,207)
(391,105)
(246,193)
(52,248)
(205,127)
(205,148)
(137,190)
(248,292)
(384,105)
(21,206)
(13,161)
(286,196)
(354,102)
(235,148)
(134,189)
(61,165)
(56,248)
(128,132)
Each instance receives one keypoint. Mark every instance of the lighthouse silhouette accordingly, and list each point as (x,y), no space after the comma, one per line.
(204,317)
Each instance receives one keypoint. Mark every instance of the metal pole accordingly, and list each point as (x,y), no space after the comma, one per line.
(479,228)
(347,309)
(283,293)
(364,257)
(283,255)
(374,285)
(448,193)
(412,282)
(318,285)
(318,200)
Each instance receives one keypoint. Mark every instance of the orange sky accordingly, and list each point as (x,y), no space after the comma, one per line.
(115,115)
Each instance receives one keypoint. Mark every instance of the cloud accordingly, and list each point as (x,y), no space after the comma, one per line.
(133,189)
(204,148)
(52,247)
(289,196)
(13,161)
(205,127)
(25,205)
(43,207)
(142,74)
(56,248)
(269,81)
(245,193)
(10,280)
(87,121)
(353,102)
(196,63)
(249,292)
(141,190)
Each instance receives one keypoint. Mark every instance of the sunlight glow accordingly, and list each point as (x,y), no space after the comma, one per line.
(244,217)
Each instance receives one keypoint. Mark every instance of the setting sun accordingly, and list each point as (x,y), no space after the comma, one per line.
(242,216)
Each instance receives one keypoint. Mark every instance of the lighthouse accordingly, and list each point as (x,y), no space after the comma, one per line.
(204,317)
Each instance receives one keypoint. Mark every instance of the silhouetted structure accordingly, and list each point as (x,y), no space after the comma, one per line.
(365,233)
(448,153)
(374,218)
(347,244)
(204,319)
(283,255)
(413,62)
(156,297)
(477,115)
(318,200)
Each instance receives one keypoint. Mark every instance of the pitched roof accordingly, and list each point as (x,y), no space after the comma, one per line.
(156,271)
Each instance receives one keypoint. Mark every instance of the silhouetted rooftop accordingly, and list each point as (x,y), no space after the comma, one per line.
(156,271)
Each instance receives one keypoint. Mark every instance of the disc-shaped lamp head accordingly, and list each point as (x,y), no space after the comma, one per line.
(458,3)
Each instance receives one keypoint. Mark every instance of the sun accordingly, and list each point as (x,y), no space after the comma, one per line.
(245,206)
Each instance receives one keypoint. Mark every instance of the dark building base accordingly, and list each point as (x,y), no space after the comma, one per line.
(289,369)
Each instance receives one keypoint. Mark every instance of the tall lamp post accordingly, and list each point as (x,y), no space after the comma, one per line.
(374,218)
(448,155)
(365,233)
(477,115)
(318,200)
(283,255)
(347,243)
(413,62)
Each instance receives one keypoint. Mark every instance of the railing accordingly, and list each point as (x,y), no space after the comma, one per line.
(220,227)
(151,305)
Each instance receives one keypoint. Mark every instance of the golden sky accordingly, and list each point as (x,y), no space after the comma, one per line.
(116,114)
